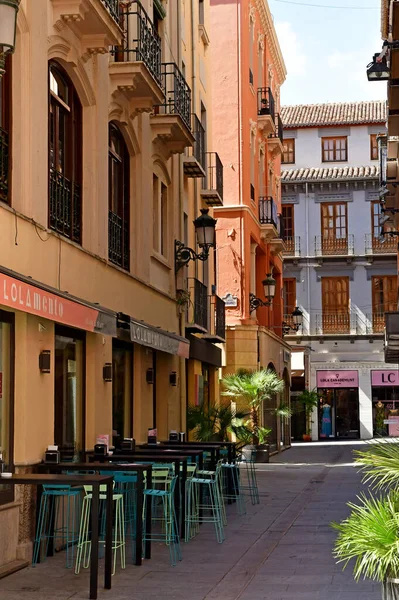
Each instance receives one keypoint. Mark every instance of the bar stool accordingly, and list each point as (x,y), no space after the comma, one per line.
(214,507)
(84,543)
(252,482)
(58,502)
(232,486)
(169,531)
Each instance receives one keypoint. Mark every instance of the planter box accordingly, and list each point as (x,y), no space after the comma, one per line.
(260,454)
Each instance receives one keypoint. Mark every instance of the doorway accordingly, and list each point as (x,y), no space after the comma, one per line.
(338,414)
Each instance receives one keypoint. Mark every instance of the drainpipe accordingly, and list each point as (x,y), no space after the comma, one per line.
(240,154)
(307,246)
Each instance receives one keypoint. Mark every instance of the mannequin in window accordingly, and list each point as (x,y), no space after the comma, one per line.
(326,428)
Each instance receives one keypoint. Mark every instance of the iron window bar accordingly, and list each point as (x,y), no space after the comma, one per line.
(267,211)
(113,8)
(65,206)
(4,165)
(266,105)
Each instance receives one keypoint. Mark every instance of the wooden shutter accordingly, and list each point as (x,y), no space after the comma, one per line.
(334,228)
(335,303)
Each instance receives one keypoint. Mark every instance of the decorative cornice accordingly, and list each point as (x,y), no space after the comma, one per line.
(271,36)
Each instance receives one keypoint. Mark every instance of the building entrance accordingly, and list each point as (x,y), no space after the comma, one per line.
(338,414)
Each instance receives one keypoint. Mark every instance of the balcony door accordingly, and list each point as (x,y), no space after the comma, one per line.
(334,228)
(289,299)
(385,299)
(287,213)
(335,304)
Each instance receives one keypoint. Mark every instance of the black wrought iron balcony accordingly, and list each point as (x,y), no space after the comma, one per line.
(197,313)
(113,8)
(212,191)
(118,240)
(217,326)
(177,93)
(65,214)
(4,165)
(268,211)
(141,42)
(266,105)
(335,246)
(194,163)
(375,245)
(336,323)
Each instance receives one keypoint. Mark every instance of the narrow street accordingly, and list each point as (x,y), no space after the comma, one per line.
(281,550)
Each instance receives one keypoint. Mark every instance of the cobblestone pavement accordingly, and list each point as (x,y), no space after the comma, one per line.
(280,550)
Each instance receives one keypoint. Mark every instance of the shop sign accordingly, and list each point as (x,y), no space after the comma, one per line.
(337,379)
(33,300)
(159,340)
(384,378)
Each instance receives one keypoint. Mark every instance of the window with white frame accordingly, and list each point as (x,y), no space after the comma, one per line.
(160,216)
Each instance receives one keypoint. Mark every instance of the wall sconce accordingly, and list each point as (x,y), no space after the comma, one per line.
(205,231)
(297,320)
(173,378)
(269,287)
(44,361)
(149,376)
(8,29)
(107,372)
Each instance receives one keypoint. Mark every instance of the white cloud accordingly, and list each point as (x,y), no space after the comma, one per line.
(294,57)
(350,68)
(341,59)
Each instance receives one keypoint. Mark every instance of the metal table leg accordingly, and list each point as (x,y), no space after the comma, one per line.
(108,538)
(95,502)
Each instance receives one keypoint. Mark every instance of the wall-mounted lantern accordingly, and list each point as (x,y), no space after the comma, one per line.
(44,361)
(205,226)
(107,372)
(269,288)
(8,29)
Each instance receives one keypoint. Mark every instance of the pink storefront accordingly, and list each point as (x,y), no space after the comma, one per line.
(385,397)
(338,413)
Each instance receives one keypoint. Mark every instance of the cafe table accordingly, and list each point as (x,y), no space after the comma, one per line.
(140,469)
(179,460)
(197,456)
(213,449)
(230,446)
(95,481)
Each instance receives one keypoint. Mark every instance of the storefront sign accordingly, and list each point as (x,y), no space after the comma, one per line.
(385,378)
(159,339)
(337,379)
(36,301)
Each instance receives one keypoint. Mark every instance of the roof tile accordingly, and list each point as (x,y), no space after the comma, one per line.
(329,174)
(339,113)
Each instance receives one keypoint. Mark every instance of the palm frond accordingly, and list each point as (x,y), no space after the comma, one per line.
(370,536)
(380,464)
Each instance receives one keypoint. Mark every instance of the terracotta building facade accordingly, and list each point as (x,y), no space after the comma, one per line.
(249,235)
(105,161)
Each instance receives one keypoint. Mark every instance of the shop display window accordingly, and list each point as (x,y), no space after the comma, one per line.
(385,411)
(122,391)
(6,398)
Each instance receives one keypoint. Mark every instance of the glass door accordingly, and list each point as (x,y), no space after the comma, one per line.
(122,391)
(347,413)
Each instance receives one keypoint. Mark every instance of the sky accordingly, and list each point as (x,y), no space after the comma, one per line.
(326,50)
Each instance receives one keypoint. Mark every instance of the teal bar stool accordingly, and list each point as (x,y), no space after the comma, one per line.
(118,542)
(209,508)
(251,486)
(232,487)
(169,531)
(60,507)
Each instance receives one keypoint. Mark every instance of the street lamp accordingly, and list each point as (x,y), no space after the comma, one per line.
(378,69)
(205,231)
(297,320)
(8,29)
(269,289)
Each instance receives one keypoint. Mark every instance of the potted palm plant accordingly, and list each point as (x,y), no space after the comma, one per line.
(370,535)
(309,399)
(252,389)
(213,424)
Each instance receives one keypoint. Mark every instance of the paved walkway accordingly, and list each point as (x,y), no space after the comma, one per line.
(281,550)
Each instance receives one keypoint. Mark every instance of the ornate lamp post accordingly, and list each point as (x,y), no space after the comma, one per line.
(8,29)
(269,288)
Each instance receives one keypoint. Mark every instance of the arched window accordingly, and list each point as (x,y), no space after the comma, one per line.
(5,121)
(119,195)
(65,155)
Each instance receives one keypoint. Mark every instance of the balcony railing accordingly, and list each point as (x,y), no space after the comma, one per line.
(199,143)
(267,211)
(375,323)
(292,246)
(336,323)
(266,104)
(325,246)
(113,8)
(217,326)
(389,245)
(177,94)
(212,190)
(197,318)
(141,41)
(279,128)
(118,240)
(65,206)
(280,227)
(3,165)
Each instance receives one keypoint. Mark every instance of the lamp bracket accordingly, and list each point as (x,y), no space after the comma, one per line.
(183,254)
(255,302)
